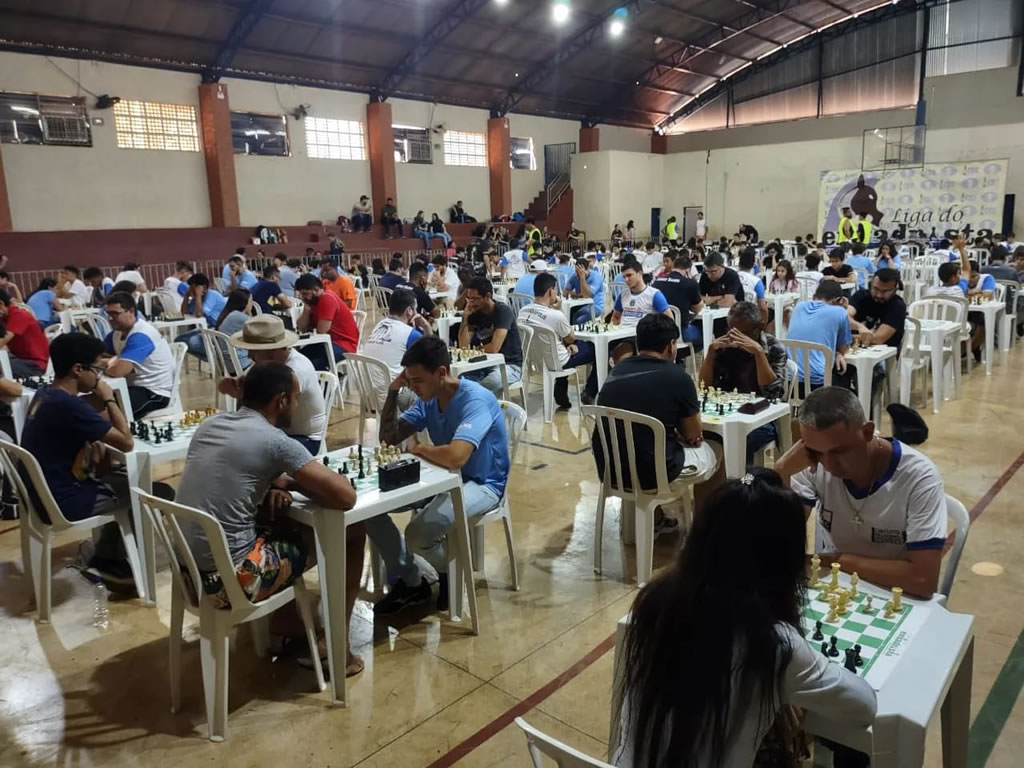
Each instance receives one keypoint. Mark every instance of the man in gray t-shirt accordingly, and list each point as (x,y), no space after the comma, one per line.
(241,468)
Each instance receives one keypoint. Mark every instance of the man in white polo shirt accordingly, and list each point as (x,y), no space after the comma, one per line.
(638,299)
(570,353)
(513,263)
(391,337)
(140,354)
(882,511)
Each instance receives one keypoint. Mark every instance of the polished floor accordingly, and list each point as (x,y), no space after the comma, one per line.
(432,694)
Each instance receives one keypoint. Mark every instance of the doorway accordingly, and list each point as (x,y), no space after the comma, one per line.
(690,221)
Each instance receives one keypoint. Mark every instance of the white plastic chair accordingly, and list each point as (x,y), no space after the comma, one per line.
(522,387)
(962,525)
(371,378)
(329,386)
(807,287)
(691,358)
(97,324)
(360,318)
(800,352)
(519,300)
(541,745)
(223,357)
(949,309)
(1008,321)
(174,407)
(381,297)
(544,355)
(37,536)
(610,424)
(515,420)
(215,624)
(912,361)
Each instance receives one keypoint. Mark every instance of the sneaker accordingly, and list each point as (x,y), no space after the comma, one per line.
(401,596)
(115,575)
(442,592)
(666,525)
(977,356)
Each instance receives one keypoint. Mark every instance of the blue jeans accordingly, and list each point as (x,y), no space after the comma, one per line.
(585,356)
(585,313)
(362,221)
(194,341)
(490,378)
(426,235)
(426,534)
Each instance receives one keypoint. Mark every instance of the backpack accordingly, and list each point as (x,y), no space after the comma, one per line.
(907,425)
(344,224)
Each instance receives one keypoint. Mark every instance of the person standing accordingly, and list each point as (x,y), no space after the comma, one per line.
(513,263)
(702,227)
(864,230)
(846,232)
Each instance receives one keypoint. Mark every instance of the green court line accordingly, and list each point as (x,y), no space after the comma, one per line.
(991,718)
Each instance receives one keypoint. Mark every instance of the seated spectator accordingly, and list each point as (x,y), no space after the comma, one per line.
(239,276)
(362,215)
(887,257)
(44,304)
(263,339)
(98,285)
(570,353)
(24,339)
(131,272)
(140,355)
(491,325)
(747,360)
(199,301)
(437,228)
(822,321)
(389,218)
(267,291)
(288,272)
(395,276)
(459,215)
(70,286)
(340,285)
(467,428)
(268,551)
(67,427)
(325,313)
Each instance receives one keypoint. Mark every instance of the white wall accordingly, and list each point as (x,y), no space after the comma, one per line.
(617,137)
(102,186)
(592,192)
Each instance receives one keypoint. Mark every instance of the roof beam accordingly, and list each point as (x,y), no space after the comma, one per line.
(787,16)
(717,24)
(451,18)
(248,16)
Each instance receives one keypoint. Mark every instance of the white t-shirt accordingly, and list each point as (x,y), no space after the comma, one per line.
(150,355)
(387,342)
(450,281)
(750,283)
(132,275)
(552,319)
(946,290)
(634,306)
(809,682)
(81,292)
(310,416)
(172,283)
(702,228)
(905,510)
(514,262)
(652,262)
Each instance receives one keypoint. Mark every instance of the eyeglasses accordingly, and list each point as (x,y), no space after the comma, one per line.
(114,315)
(97,369)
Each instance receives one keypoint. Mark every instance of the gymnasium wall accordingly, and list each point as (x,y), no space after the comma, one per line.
(103,187)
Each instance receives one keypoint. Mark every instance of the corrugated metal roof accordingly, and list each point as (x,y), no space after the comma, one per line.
(458,51)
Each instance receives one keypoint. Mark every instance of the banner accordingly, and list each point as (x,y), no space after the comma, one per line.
(935,197)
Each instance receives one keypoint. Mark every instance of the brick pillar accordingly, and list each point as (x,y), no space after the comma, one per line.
(497,160)
(6,225)
(659,144)
(215,119)
(380,139)
(589,139)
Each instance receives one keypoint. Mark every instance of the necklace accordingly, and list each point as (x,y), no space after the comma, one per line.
(858,508)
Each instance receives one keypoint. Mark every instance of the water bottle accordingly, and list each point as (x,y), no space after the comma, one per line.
(100,608)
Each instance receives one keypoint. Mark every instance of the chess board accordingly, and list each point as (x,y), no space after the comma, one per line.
(179,431)
(369,483)
(709,400)
(882,641)
(595,326)
(461,355)
(36,382)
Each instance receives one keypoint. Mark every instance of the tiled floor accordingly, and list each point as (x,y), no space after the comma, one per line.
(71,695)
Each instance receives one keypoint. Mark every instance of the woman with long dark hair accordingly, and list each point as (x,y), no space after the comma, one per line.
(232,318)
(714,649)
(887,256)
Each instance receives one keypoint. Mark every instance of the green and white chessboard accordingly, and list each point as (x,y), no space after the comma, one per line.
(882,641)
(731,402)
(369,483)
(177,432)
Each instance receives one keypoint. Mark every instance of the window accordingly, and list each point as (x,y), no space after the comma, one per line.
(465,148)
(28,118)
(256,134)
(332,139)
(412,145)
(520,155)
(151,125)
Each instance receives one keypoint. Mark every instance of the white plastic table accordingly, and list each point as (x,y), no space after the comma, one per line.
(935,333)
(568,305)
(864,360)
(171,329)
(781,299)
(19,405)
(602,342)
(934,673)
(320,338)
(329,527)
(490,361)
(991,311)
(734,428)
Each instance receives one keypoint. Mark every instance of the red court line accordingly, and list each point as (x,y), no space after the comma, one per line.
(508,717)
(997,486)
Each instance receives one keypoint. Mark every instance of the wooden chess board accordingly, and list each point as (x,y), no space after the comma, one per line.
(882,641)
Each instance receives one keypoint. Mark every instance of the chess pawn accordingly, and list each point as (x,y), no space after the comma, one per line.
(815,580)
(868,608)
(833,610)
(890,612)
(844,600)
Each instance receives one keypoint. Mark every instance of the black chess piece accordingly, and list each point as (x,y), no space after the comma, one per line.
(817,632)
(856,655)
(156,437)
(824,648)
(344,467)
(833,651)
(362,473)
(850,662)
(327,461)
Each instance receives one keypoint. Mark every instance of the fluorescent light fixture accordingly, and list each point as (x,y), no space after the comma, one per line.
(409,127)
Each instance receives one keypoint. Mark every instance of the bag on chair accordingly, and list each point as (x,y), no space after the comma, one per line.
(907,424)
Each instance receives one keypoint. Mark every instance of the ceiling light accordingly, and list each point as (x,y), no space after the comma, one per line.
(501,2)
(658,39)
(560,11)
(616,28)
(517,74)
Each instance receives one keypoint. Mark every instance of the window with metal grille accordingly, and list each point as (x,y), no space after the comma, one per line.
(29,118)
(332,139)
(257,134)
(412,145)
(520,154)
(152,125)
(465,148)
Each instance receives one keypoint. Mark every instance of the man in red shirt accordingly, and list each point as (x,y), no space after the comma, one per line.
(24,339)
(324,312)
